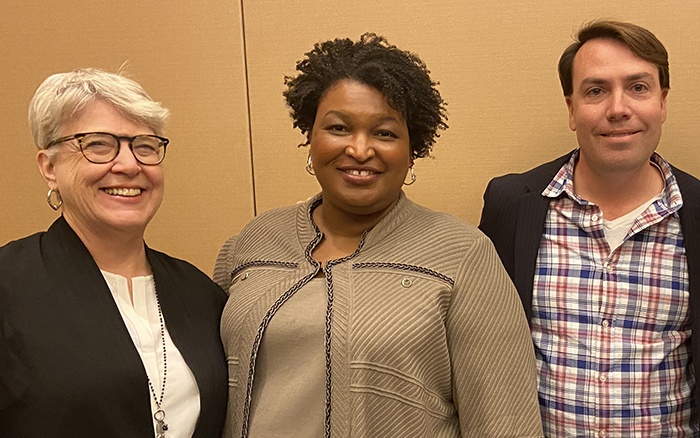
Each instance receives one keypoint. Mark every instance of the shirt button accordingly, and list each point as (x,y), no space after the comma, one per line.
(602,433)
(406,282)
(603,378)
(594,218)
(606,323)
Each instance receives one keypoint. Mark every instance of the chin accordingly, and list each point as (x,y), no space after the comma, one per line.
(369,208)
(128,224)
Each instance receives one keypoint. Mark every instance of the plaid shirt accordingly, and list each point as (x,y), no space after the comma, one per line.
(611,329)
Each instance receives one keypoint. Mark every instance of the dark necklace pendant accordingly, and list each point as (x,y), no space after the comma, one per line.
(161,425)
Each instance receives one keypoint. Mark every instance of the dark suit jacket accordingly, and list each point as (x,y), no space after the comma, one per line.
(514,215)
(68,366)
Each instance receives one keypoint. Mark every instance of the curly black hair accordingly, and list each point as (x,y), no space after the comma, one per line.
(400,76)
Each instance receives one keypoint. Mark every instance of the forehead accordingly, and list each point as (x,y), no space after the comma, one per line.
(101,116)
(350,90)
(609,59)
(348,95)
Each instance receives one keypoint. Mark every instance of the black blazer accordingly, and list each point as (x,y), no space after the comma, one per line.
(514,214)
(68,366)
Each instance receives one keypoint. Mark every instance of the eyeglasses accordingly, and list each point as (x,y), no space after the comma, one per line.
(103,147)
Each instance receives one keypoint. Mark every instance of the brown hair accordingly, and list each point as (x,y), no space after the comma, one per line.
(639,40)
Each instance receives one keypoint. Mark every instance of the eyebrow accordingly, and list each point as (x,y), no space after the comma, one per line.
(628,78)
(345,116)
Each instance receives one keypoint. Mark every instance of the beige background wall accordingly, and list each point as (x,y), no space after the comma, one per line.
(219,66)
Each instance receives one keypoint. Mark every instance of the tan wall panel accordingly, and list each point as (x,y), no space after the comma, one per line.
(187,56)
(496,62)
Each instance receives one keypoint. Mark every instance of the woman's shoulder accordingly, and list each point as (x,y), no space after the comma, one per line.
(276,225)
(274,219)
(180,271)
(442,226)
(433,240)
(270,234)
(17,251)
(193,286)
(23,263)
(175,264)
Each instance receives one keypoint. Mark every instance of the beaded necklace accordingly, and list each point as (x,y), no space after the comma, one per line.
(159,415)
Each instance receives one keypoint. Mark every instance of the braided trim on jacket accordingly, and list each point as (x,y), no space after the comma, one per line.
(256,346)
(327,270)
(405,267)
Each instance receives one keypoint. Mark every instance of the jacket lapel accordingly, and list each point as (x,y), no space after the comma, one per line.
(532,212)
(79,280)
(690,222)
(93,322)
(189,330)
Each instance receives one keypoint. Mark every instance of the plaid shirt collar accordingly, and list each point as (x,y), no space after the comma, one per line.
(563,183)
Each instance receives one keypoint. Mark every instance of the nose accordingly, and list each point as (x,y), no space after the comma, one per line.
(125,162)
(618,108)
(360,147)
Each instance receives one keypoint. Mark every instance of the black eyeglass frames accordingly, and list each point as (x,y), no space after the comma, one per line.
(103,147)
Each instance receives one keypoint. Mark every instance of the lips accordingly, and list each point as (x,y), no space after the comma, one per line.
(619,134)
(355,169)
(360,172)
(122,191)
(359,175)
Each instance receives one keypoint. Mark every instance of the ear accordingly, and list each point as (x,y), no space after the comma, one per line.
(570,108)
(664,95)
(46,168)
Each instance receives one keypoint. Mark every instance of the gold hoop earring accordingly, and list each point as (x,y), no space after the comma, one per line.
(310,166)
(59,200)
(413,177)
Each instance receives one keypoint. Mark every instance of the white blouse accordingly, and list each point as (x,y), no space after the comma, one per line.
(181,402)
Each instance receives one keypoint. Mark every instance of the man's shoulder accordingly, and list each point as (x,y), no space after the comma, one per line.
(549,169)
(535,179)
(685,180)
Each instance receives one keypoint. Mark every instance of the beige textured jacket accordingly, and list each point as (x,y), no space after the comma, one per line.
(425,334)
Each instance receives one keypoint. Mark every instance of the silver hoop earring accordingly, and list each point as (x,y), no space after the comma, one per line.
(59,200)
(310,166)
(413,177)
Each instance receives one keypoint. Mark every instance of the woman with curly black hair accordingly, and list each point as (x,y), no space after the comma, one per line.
(360,313)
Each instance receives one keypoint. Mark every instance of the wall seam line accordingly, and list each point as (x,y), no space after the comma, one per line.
(248,105)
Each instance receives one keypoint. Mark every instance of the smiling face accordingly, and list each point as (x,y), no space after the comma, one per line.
(360,150)
(98,199)
(617,107)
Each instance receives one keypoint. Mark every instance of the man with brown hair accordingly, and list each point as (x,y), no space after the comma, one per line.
(604,249)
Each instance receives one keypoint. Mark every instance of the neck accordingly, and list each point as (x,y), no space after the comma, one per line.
(341,223)
(115,251)
(619,192)
(342,230)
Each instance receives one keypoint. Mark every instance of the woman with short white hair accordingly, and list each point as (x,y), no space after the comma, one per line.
(101,336)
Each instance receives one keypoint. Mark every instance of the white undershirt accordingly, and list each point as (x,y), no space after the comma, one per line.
(181,400)
(616,230)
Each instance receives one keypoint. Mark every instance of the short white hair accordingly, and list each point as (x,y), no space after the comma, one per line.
(62,95)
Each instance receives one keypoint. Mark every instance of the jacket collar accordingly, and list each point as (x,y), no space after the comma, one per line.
(307,230)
